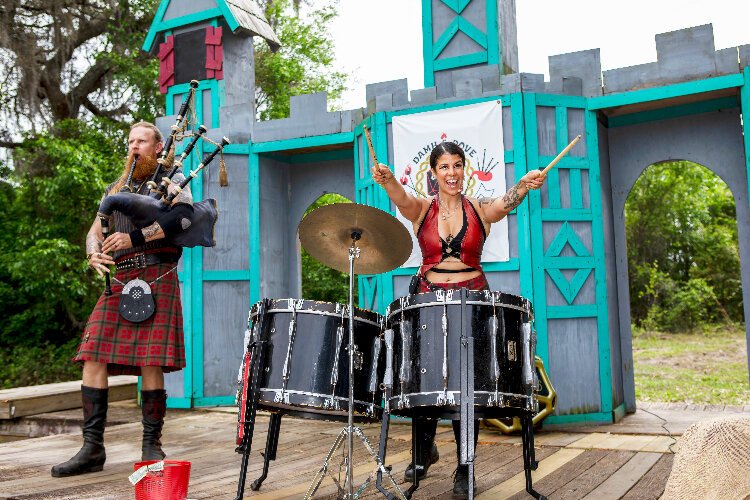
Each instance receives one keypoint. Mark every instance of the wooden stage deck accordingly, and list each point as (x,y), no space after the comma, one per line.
(633,463)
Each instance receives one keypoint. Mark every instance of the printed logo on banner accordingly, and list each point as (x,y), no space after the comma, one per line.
(478,130)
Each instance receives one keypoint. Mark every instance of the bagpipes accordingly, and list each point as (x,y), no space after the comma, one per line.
(143,211)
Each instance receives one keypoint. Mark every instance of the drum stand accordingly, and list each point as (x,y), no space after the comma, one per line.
(349,431)
(257,362)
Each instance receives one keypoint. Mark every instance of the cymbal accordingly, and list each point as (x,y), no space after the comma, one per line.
(326,234)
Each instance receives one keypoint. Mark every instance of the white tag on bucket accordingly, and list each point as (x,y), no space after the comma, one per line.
(142,471)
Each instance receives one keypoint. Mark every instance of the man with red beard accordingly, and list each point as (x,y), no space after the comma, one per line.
(115,343)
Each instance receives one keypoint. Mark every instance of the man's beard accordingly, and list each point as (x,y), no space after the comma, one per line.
(144,167)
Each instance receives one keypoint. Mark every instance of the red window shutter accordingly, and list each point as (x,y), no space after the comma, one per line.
(214,53)
(166,64)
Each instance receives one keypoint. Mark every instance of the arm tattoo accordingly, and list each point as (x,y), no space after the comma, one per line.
(512,199)
(484,201)
(151,230)
(93,244)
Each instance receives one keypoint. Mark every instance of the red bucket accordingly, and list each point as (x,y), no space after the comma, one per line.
(169,484)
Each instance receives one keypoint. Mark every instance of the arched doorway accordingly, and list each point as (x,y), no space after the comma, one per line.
(712,139)
(685,287)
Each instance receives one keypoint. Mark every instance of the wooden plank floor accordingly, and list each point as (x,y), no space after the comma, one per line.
(571,464)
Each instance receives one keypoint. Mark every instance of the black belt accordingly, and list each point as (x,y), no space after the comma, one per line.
(141,260)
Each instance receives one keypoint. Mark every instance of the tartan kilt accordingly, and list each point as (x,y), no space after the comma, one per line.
(125,346)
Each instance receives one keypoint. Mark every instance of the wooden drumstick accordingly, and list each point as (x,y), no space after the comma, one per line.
(562,153)
(369,146)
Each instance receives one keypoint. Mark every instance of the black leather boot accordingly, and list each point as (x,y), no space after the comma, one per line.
(430,453)
(91,457)
(153,407)
(461,482)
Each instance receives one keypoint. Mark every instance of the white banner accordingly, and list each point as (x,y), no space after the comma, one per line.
(478,129)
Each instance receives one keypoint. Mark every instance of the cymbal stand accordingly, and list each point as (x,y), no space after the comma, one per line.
(350,430)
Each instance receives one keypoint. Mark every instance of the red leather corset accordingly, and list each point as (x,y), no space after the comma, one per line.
(431,246)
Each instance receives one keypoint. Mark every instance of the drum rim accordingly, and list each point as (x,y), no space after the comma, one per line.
(310,306)
(522,303)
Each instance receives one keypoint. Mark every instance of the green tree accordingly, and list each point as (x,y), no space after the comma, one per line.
(303,64)
(683,253)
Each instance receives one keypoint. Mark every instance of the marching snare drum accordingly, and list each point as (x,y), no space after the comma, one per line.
(306,370)
(426,347)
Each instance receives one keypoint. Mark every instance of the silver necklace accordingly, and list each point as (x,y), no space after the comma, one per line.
(445,212)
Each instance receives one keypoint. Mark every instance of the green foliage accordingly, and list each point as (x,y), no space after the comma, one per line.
(320,282)
(50,200)
(683,252)
(303,64)
(24,365)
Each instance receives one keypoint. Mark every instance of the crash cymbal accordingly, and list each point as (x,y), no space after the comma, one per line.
(326,234)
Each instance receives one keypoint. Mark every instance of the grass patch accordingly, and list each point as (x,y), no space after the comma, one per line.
(702,367)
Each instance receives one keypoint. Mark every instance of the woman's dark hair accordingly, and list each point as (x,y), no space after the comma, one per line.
(450,148)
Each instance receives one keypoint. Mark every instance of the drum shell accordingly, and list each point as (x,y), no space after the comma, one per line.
(309,392)
(422,391)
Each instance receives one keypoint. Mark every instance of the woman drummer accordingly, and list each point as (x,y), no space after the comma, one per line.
(451,229)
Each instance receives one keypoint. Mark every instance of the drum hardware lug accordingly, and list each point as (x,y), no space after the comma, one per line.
(512,355)
(446,399)
(358,359)
(331,403)
(268,369)
(403,402)
(281,397)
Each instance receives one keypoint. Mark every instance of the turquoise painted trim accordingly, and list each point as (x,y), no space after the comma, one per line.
(566,214)
(505,100)
(228,16)
(404,271)
(513,264)
(568,262)
(600,271)
(572,311)
(557,100)
(380,136)
(745,103)
(523,213)
(603,417)
(303,142)
(237,149)
(573,162)
(177,22)
(569,288)
(427,59)
(153,29)
(619,412)
(666,91)
(253,198)
(445,38)
(457,6)
(214,401)
(196,288)
(473,32)
(182,403)
(231,275)
(460,61)
(494,50)
(673,112)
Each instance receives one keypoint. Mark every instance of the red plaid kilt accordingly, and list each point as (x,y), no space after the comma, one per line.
(477,283)
(125,346)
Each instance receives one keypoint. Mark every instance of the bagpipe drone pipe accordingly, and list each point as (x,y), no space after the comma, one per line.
(143,211)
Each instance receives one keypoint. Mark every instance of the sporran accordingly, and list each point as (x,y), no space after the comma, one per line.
(136,301)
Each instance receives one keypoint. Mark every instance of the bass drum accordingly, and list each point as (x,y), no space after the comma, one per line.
(426,348)
(306,372)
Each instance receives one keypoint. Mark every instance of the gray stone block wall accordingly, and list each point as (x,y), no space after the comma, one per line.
(682,55)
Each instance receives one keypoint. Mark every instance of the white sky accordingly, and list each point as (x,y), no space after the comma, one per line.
(382,40)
